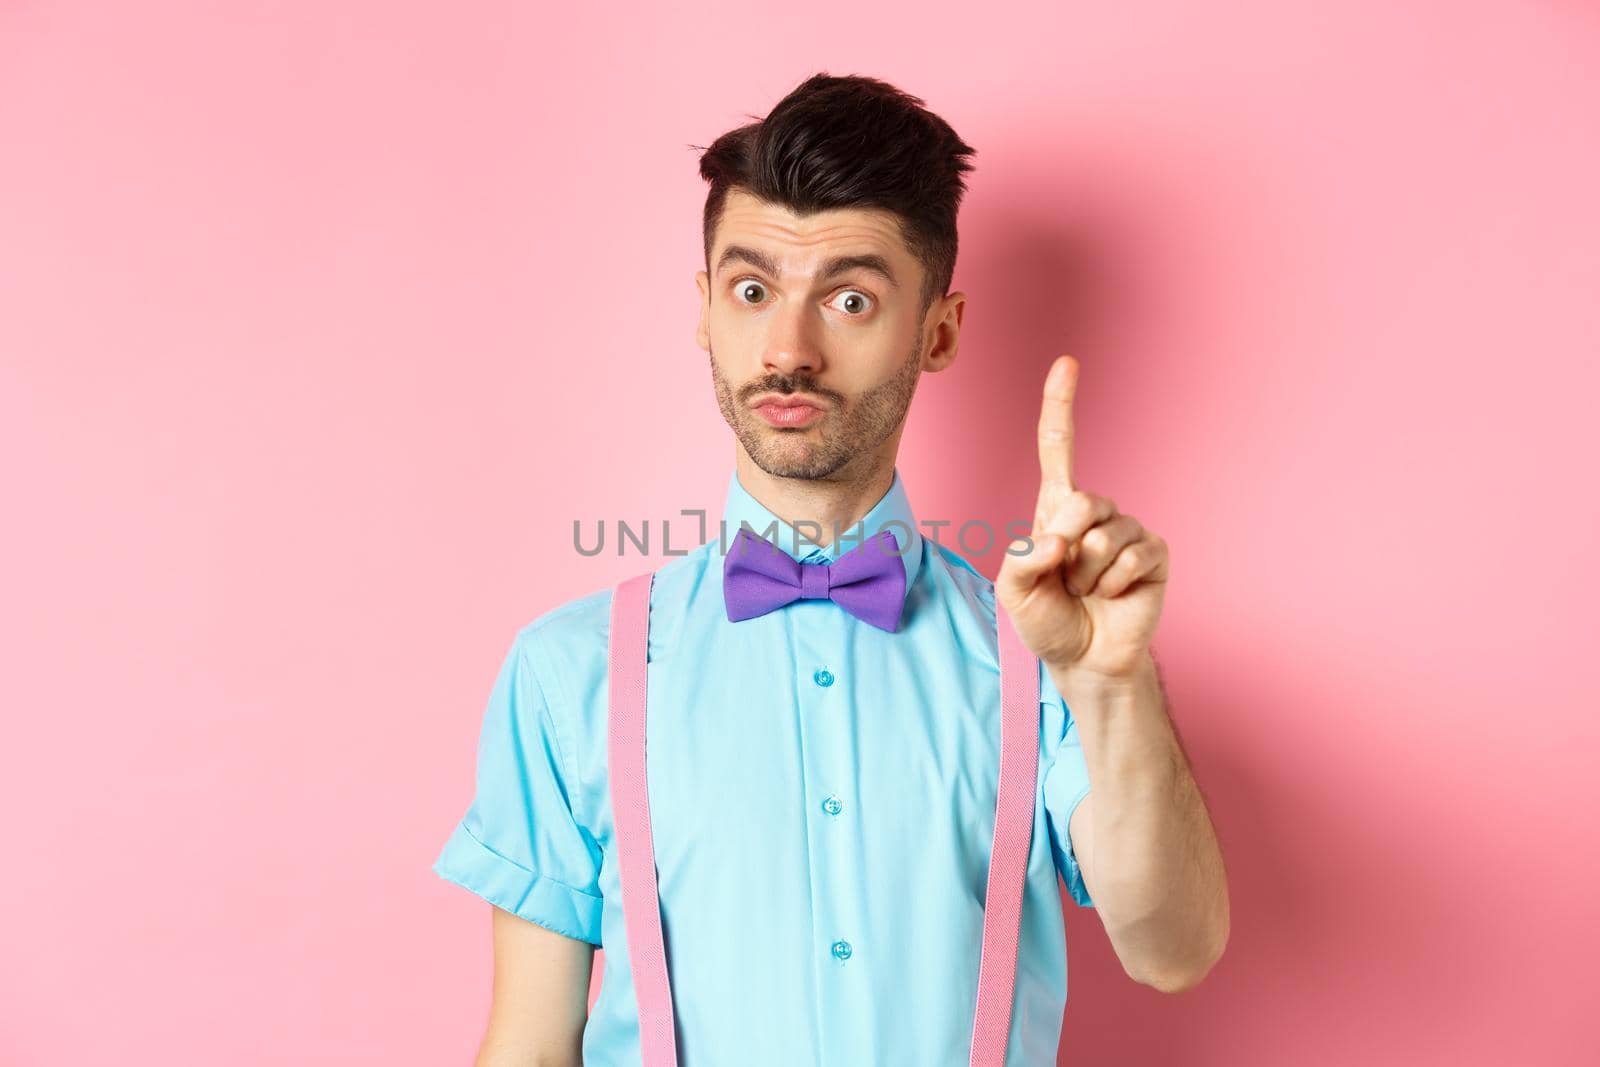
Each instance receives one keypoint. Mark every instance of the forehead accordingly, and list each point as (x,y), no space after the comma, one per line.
(800,241)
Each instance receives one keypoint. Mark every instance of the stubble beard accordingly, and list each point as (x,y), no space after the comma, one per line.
(849,428)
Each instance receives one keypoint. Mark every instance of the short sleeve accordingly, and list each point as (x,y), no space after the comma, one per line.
(1066,782)
(519,846)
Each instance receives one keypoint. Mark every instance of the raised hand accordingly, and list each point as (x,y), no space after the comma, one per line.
(1087,597)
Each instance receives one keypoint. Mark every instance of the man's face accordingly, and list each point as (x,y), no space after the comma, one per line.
(780,318)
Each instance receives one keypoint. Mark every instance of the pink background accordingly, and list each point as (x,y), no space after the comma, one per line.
(320,323)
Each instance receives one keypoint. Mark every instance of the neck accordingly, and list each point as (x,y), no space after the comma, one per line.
(838,501)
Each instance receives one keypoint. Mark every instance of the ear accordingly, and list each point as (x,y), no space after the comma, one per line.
(945,323)
(702,333)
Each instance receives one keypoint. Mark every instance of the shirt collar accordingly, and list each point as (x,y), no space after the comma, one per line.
(893,510)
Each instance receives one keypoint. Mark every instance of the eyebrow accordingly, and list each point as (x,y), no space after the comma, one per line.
(869,262)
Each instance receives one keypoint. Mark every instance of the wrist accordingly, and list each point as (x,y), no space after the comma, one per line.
(1084,680)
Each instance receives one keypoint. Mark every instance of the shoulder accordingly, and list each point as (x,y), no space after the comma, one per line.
(569,643)
(567,649)
(956,577)
(966,583)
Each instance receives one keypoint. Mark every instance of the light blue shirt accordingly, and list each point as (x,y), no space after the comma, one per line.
(821,803)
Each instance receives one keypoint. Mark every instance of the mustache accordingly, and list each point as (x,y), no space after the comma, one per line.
(788,388)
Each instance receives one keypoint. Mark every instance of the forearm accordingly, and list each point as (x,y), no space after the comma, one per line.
(496,1053)
(1159,883)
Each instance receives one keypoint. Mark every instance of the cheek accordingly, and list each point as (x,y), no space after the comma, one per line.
(889,334)
(735,331)
(880,354)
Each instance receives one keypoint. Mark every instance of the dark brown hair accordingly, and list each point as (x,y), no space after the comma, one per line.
(850,142)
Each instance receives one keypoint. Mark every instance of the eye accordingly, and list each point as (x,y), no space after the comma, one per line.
(743,286)
(860,298)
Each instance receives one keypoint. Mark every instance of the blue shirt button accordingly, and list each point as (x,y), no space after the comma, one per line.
(822,677)
(841,950)
(832,806)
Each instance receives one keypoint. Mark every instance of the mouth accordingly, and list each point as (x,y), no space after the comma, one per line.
(788,410)
(789,415)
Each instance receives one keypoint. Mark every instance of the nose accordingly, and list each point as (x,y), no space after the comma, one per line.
(792,346)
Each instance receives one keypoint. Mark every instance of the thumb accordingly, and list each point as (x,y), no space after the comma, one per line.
(1020,573)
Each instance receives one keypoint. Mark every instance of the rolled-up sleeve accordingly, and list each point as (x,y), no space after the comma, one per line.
(1066,782)
(519,845)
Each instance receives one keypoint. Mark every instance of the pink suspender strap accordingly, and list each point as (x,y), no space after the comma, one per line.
(1013,836)
(630,812)
(641,906)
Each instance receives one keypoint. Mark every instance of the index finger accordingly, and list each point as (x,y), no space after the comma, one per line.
(1055,422)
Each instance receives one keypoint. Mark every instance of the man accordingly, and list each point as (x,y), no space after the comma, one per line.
(822,784)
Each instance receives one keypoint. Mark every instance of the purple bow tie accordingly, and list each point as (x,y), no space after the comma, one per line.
(868,581)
